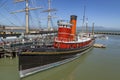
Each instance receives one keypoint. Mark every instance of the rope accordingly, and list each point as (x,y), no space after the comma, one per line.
(33,2)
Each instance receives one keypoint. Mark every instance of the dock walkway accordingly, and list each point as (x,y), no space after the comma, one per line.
(108,33)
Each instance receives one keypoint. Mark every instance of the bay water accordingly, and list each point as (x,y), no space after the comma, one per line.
(97,64)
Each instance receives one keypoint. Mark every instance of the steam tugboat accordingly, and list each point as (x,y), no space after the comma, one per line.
(66,47)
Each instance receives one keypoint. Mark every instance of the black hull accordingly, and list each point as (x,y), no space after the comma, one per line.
(30,62)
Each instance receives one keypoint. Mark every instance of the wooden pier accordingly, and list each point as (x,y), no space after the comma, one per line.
(4,35)
(108,33)
(4,52)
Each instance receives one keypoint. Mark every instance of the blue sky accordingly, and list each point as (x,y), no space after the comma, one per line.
(104,13)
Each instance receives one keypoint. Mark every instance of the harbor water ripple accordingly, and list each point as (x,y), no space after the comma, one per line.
(97,64)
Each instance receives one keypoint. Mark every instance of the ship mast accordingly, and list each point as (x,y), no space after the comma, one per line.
(86,28)
(26,10)
(49,14)
(27,18)
(83,23)
(93,29)
(49,10)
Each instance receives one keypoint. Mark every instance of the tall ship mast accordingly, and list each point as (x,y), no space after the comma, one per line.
(49,10)
(26,10)
(84,21)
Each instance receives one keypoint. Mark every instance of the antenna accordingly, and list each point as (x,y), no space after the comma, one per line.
(49,10)
(27,9)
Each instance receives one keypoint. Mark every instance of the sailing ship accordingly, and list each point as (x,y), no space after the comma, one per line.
(67,46)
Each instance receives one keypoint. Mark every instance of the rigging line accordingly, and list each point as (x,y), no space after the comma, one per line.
(1,22)
(33,6)
(39,24)
(19,21)
(39,17)
(52,23)
(7,19)
(5,7)
(2,4)
(33,3)
(31,18)
(35,12)
(84,16)
(20,5)
(15,16)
